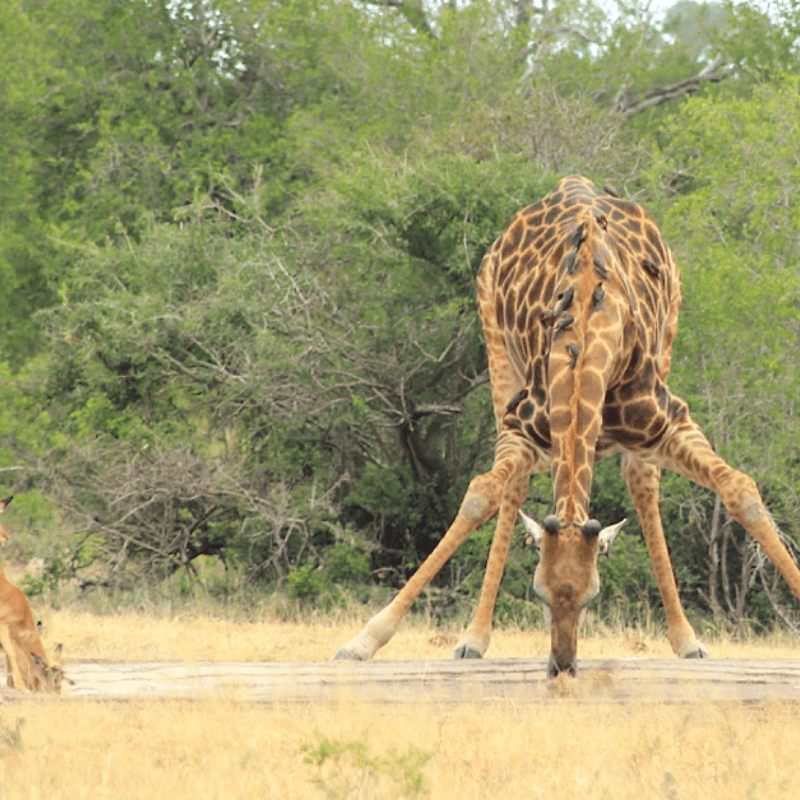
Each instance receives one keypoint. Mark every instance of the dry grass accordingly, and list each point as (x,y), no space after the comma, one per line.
(227,748)
(130,637)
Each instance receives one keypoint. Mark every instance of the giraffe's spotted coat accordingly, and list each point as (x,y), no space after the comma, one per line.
(546,267)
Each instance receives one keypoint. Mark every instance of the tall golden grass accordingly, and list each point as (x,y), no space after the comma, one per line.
(229,748)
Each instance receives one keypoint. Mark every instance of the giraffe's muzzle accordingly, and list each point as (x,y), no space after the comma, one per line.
(556,667)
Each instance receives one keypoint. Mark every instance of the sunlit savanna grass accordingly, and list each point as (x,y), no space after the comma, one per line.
(128,637)
(229,748)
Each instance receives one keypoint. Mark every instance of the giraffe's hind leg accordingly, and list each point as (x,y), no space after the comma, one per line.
(642,480)
(687,451)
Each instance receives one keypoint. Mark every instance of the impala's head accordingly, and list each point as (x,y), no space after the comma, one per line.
(47,677)
(39,675)
(566,580)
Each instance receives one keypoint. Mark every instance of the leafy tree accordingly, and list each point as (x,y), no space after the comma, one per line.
(735,231)
(312,364)
(251,231)
(765,45)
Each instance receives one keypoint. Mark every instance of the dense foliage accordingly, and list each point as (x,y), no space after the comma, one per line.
(238,257)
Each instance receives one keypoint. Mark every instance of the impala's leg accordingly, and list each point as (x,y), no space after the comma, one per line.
(11,656)
(475,641)
(480,504)
(687,451)
(642,480)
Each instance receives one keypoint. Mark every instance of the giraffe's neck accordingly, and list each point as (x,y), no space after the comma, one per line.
(586,336)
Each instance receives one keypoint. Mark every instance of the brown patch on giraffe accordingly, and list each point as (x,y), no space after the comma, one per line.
(512,240)
(516,400)
(540,440)
(511,305)
(499,310)
(507,272)
(651,268)
(655,240)
(634,226)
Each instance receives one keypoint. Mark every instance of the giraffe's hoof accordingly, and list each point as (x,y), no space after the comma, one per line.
(701,652)
(347,655)
(465,651)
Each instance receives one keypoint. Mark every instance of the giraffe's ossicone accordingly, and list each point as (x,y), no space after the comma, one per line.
(579,300)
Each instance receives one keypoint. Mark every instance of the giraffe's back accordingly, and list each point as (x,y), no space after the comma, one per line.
(580,284)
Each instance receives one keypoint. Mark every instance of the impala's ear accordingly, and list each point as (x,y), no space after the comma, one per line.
(607,536)
(535,532)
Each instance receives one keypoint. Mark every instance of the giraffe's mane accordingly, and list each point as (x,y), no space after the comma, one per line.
(586,268)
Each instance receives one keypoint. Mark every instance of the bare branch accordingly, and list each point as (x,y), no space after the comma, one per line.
(780,612)
(664,94)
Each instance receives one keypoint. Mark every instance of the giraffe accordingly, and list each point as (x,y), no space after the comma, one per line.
(579,300)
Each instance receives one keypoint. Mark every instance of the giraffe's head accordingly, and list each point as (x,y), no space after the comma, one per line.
(566,579)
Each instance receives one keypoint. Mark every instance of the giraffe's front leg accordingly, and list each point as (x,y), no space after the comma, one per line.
(642,480)
(479,504)
(475,641)
(374,635)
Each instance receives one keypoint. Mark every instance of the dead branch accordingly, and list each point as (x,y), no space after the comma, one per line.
(659,95)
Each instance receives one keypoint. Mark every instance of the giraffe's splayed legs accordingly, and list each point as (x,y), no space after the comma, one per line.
(501,489)
(480,503)
(579,300)
(475,641)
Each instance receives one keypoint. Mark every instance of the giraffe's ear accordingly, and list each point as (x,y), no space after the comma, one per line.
(607,536)
(534,531)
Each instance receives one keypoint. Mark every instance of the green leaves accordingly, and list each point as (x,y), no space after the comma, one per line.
(736,236)
(731,166)
(239,243)
(349,769)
